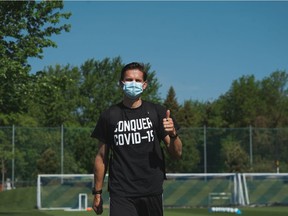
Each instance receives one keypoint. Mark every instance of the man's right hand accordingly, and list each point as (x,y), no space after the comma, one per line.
(98,204)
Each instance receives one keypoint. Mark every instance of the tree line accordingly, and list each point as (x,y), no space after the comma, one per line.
(74,96)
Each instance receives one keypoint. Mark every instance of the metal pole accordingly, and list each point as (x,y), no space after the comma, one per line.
(13,157)
(3,175)
(205,150)
(62,148)
(251,145)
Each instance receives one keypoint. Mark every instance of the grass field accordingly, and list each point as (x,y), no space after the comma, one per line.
(22,202)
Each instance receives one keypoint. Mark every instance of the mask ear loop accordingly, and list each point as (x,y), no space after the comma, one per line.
(121,83)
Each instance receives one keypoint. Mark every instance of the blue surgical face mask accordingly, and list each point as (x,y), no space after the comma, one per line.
(132,89)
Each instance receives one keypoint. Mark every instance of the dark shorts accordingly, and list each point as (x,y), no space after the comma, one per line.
(136,206)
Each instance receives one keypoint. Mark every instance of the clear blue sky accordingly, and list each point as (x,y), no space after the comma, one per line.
(198,47)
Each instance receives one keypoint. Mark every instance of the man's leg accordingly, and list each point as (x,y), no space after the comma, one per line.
(150,206)
(120,206)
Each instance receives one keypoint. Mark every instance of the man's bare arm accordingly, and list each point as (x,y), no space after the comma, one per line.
(100,167)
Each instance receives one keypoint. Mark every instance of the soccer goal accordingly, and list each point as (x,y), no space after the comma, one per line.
(266,188)
(73,192)
(200,190)
(66,192)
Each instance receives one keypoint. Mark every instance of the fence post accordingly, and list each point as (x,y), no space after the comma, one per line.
(62,149)
(251,145)
(13,159)
(205,150)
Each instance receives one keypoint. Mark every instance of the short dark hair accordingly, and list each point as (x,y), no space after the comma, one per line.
(131,66)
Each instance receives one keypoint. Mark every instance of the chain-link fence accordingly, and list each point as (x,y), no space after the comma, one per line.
(26,152)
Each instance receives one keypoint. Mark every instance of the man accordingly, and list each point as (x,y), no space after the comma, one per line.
(131,131)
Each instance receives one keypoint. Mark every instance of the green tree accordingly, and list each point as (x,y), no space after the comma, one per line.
(151,93)
(6,152)
(236,159)
(26,28)
(186,115)
(98,88)
(190,156)
(190,114)
(241,105)
(214,114)
(80,150)
(56,96)
(171,102)
(274,92)
(48,163)
(32,143)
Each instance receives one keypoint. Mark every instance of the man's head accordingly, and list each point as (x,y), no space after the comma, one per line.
(133,80)
(133,66)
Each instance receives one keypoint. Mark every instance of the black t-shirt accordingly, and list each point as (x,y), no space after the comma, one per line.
(133,136)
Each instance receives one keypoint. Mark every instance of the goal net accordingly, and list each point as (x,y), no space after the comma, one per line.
(73,192)
(65,192)
(199,190)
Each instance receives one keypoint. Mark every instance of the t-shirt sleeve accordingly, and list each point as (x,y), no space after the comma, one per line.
(100,131)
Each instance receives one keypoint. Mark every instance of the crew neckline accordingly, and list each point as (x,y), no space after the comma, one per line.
(131,108)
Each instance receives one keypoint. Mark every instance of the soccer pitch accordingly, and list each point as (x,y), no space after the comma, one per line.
(247,211)
(22,202)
